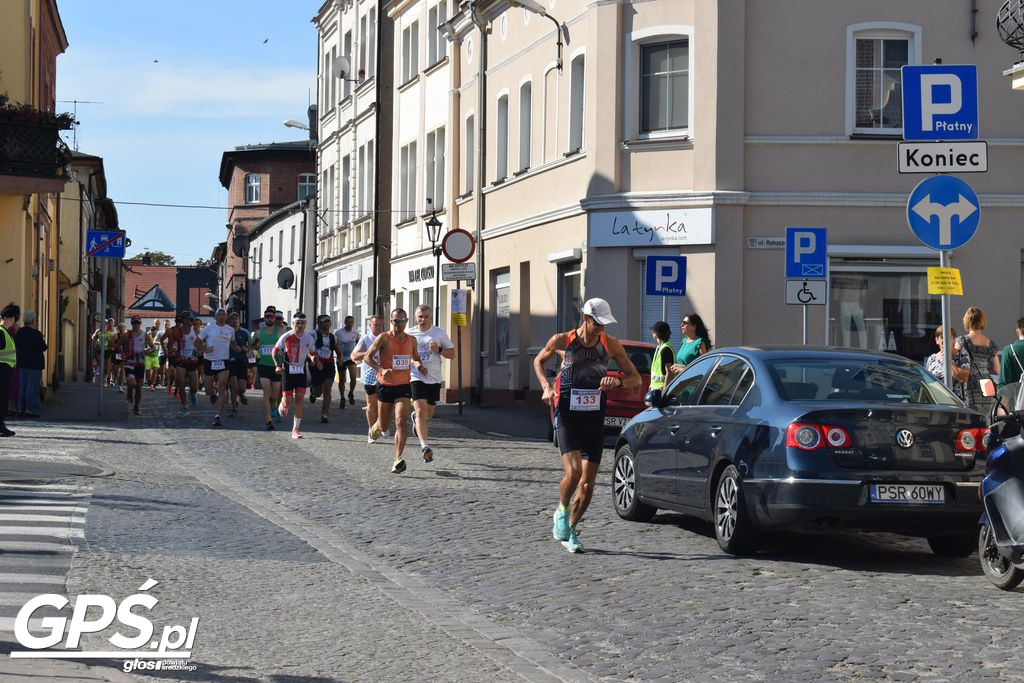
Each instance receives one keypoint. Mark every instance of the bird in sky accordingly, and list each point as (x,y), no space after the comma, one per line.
(265,40)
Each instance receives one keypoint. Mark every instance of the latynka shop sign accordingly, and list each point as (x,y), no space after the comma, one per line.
(652,228)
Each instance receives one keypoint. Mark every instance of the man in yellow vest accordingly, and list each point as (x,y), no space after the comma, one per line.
(8,359)
(664,356)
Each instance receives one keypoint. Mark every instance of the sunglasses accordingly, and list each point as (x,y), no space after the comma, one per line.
(684,323)
(136,322)
(399,321)
(269,316)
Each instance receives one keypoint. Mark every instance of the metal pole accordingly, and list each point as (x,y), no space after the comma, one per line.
(458,351)
(103,329)
(437,283)
(944,263)
(805,324)
(664,309)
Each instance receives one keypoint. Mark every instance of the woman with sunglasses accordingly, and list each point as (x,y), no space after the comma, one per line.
(696,342)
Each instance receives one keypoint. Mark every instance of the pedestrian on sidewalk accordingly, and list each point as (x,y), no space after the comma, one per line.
(31,352)
(369,373)
(290,355)
(8,359)
(958,363)
(696,342)
(1011,369)
(12,326)
(393,355)
(661,366)
(579,397)
(432,343)
(983,359)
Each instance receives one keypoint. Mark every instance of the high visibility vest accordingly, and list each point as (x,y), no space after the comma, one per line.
(658,371)
(7,354)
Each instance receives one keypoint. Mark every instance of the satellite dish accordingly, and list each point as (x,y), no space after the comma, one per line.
(285,278)
(342,67)
(240,245)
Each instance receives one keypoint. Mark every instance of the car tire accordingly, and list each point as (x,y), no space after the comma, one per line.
(733,530)
(954,545)
(625,495)
(998,570)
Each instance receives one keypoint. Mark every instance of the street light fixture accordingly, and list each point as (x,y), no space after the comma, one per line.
(434,234)
(536,8)
(292,123)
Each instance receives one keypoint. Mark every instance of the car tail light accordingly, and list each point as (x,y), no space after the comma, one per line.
(809,437)
(970,440)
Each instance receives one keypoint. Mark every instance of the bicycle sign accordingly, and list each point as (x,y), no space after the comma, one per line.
(806,292)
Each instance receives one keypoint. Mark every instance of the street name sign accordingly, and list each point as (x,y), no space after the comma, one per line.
(105,243)
(940,102)
(944,212)
(453,272)
(806,253)
(806,292)
(943,157)
(666,276)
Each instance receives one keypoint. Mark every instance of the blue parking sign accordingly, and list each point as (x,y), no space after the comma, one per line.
(940,102)
(666,276)
(806,253)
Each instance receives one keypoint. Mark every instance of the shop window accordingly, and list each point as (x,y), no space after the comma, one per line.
(333,307)
(501,286)
(883,306)
(570,295)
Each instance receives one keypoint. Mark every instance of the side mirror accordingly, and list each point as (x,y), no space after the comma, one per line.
(653,398)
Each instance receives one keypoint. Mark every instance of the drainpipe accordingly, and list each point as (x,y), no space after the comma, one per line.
(478,196)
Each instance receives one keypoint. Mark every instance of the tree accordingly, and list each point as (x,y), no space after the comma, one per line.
(155,258)
(206,263)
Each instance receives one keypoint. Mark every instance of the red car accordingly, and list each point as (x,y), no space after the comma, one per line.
(623,403)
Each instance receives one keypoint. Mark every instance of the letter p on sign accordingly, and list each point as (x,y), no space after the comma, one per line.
(667,273)
(933,84)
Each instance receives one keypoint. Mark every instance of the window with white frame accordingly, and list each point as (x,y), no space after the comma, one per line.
(291,251)
(346,85)
(436,42)
(501,139)
(501,291)
(270,251)
(470,158)
(346,189)
(550,111)
(407,181)
(252,188)
(334,309)
(363,27)
(434,186)
(280,248)
(577,77)
(371,59)
(664,85)
(307,184)
(878,85)
(410,51)
(332,204)
(525,124)
(328,77)
(357,304)
(333,76)
(361,183)
(371,166)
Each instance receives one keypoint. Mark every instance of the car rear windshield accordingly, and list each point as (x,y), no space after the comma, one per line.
(642,357)
(870,379)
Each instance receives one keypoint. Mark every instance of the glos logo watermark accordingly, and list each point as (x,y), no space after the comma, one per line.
(170,651)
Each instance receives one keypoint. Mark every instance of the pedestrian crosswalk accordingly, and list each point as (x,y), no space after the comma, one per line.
(38,527)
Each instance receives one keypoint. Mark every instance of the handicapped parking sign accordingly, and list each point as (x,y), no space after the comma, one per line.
(940,102)
(806,253)
(944,212)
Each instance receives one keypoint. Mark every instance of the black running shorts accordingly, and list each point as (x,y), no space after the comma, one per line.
(431,393)
(292,382)
(583,434)
(370,389)
(136,371)
(318,377)
(268,372)
(389,394)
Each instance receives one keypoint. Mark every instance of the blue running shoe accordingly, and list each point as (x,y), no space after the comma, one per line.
(560,529)
(573,544)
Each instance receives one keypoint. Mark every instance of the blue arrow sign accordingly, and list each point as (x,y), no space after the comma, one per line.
(105,243)
(666,276)
(944,212)
(940,102)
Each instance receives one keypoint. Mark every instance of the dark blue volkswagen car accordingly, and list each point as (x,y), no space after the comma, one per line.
(765,439)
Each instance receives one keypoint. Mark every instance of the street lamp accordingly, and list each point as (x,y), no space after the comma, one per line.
(292,123)
(536,8)
(434,234)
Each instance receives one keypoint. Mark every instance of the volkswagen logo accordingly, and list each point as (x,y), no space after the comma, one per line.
(904,438)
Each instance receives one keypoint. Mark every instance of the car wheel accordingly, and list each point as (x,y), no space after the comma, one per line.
(733,529)
(998,570)
(624,491)
(954,545)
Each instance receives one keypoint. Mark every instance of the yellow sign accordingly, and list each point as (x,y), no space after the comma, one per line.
(944,281)
(459,319)
(459,307)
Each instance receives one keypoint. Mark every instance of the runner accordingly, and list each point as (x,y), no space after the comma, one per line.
(347,340)
(179,343)
(432,343)
(238,364)
(322,379)
(117,362)
(263,340)
(290,354)
(136,345)
(152,359)
(197,329)
(397,355)
(105,339)
(369,374)
(216,342)
(580,405)
(164,369)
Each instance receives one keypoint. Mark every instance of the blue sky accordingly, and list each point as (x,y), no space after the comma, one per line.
(164,124)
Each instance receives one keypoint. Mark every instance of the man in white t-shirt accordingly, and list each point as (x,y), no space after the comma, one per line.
(216,342)
(369,374)
(347,338)
(432,343)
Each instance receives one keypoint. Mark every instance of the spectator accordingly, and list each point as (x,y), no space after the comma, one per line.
(11,323)
(696,342)
(958,363)
(1011,368)
(31,349)
(982,357)
(8,316)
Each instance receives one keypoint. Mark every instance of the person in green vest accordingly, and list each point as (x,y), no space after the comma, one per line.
(663,354)
(696,342)
(8,359)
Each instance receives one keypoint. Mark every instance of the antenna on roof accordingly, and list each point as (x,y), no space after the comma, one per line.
(74,113)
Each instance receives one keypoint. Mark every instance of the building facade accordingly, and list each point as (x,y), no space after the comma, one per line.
(352,259)
(681,127)
(280,270)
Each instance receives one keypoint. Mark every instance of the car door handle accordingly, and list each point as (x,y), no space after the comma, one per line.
(715,430)
(672,429)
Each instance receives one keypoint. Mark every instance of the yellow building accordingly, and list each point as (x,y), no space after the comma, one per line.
(32,163)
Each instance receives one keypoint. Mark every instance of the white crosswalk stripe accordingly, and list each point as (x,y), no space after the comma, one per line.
(37,526)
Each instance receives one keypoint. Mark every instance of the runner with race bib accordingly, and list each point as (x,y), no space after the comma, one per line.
(322,379)
(290,354)
(347,339)
(263,341)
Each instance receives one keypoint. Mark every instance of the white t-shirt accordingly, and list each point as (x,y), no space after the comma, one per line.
(369,374)
(431,361)
(160,347)
(296,347)
(218,340)
(347,340)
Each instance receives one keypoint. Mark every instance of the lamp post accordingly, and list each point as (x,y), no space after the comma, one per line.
(434,234)
(536,8)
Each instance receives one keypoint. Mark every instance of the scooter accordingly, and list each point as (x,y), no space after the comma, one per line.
(1001,537)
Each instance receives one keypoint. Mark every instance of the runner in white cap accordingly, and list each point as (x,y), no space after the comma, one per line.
(216,342)
(579,400)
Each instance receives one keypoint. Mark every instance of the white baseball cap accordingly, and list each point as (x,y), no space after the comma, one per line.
(600,311)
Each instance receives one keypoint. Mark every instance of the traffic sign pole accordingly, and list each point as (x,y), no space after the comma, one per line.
(458,353)
(102,339)
(944,263)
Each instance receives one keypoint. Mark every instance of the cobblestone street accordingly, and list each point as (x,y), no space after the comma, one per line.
(308,560)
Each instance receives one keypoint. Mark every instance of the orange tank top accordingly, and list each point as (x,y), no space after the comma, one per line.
(397,356)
